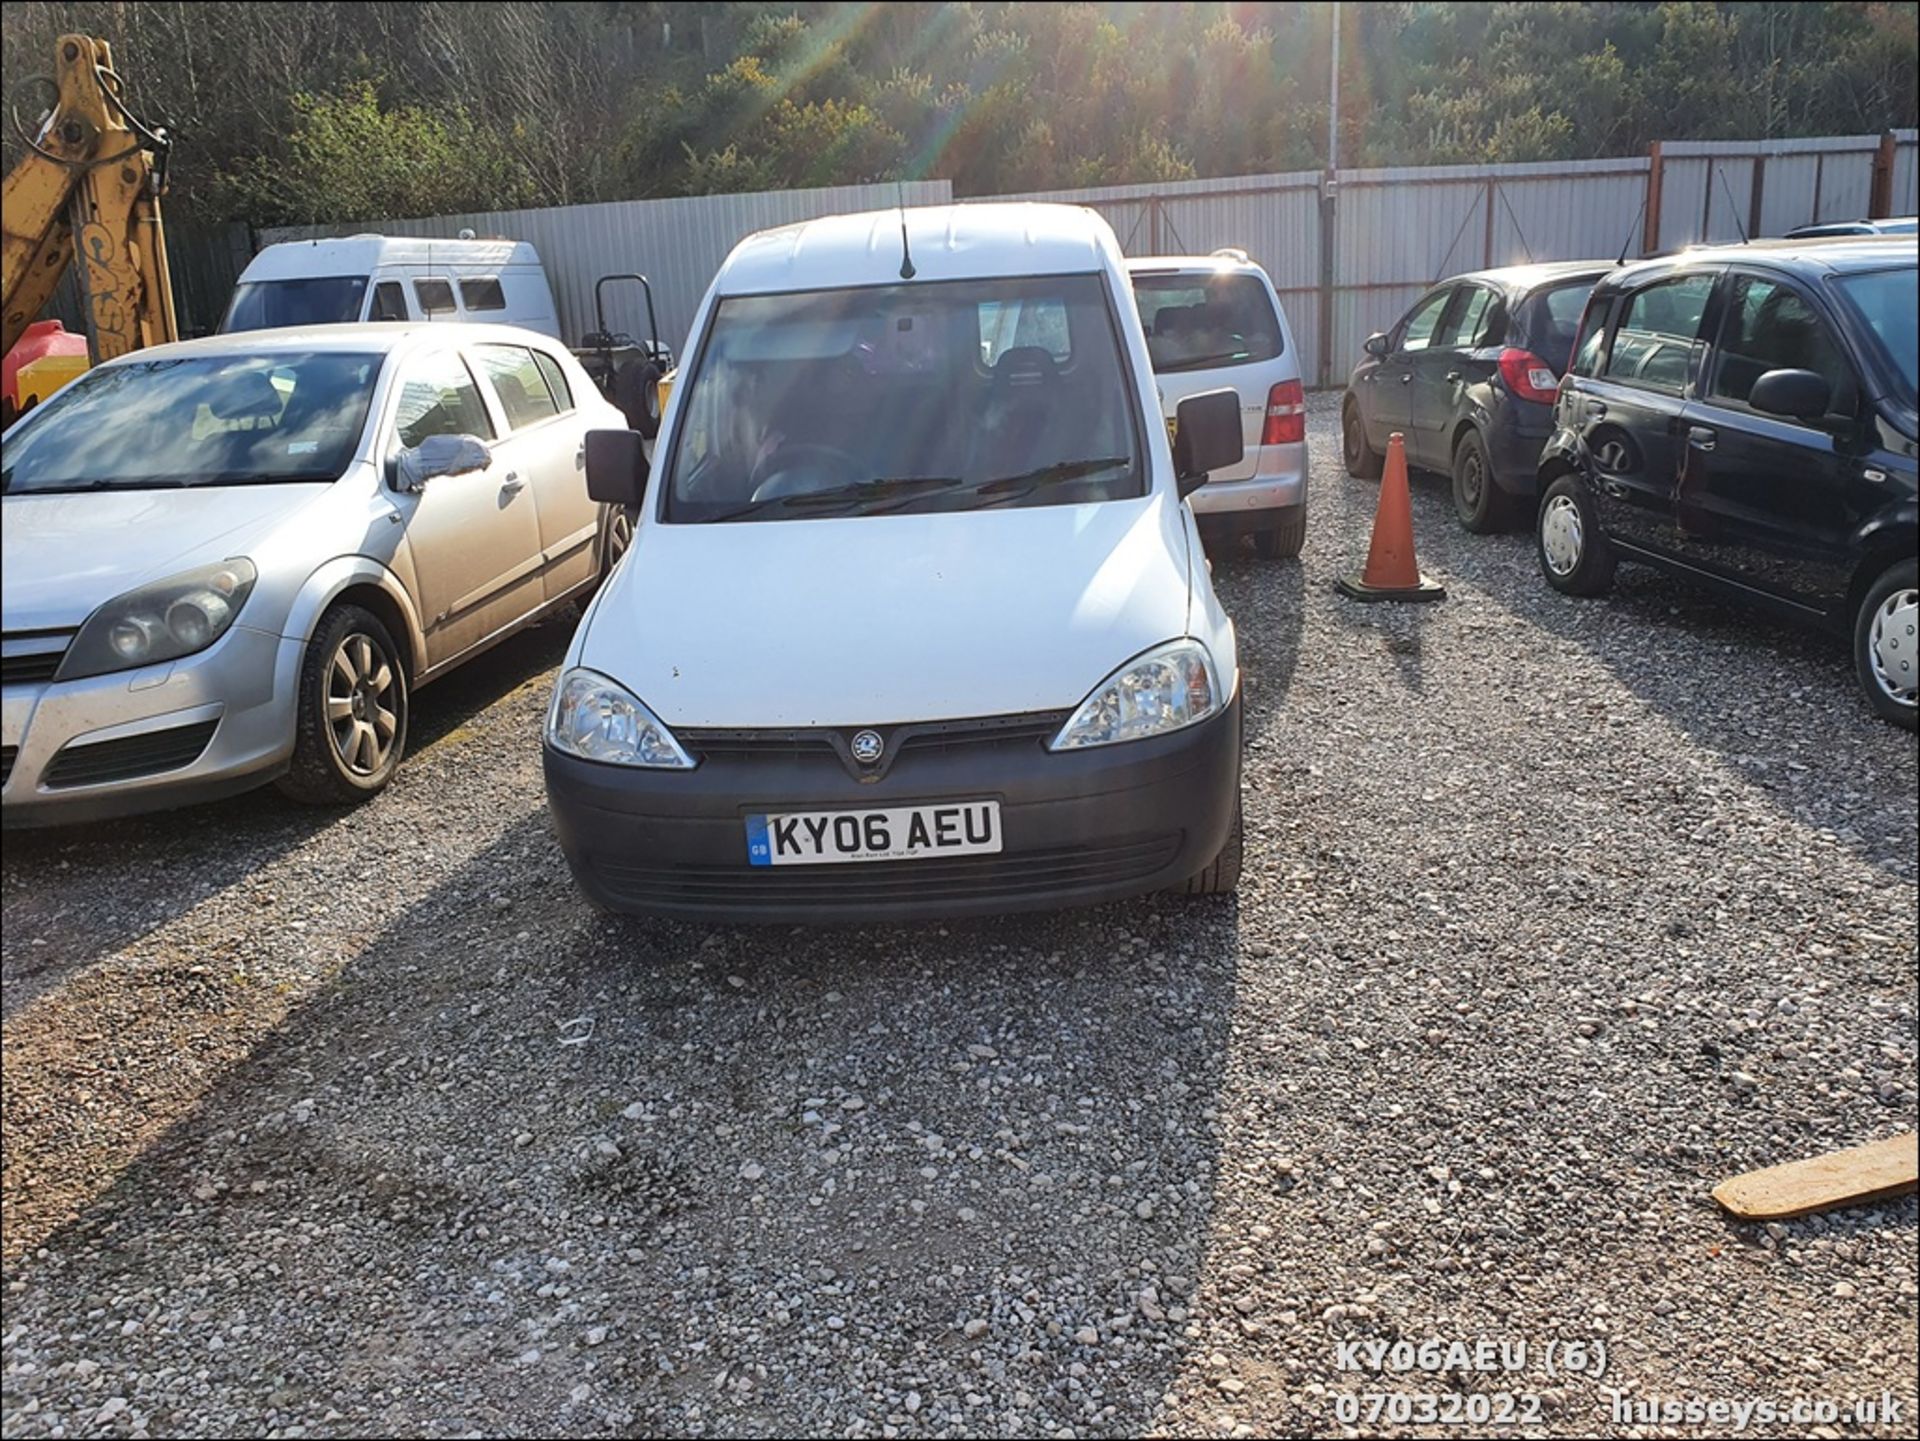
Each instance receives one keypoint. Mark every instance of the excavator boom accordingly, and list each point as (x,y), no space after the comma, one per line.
(88,188)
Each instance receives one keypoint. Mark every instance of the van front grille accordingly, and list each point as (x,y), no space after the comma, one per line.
(744,889)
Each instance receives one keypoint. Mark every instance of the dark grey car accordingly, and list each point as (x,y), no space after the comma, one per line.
(1468,377)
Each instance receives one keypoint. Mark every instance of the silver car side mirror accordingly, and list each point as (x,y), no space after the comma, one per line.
(439,455)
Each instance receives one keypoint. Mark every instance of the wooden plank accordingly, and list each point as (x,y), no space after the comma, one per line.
(1873,1172)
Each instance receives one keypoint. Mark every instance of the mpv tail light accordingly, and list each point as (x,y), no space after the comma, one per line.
(1528,376)
(1286,414)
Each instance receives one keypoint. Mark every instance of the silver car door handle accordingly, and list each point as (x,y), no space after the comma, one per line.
(1405,379)
(1700,438)
(513,484)
(580,457)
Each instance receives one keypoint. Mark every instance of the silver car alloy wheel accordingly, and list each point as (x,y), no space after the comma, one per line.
(619,534)
(1894,646)
(360,712)
(1562,535)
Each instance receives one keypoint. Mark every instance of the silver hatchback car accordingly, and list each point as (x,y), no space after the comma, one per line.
(1215,322)
(230,561)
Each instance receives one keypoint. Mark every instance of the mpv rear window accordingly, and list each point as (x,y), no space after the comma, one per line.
(1197,322)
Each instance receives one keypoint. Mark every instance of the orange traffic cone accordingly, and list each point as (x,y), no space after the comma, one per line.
(1392,572)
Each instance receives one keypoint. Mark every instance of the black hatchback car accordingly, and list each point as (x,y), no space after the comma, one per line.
(1468,377)
(1746,415)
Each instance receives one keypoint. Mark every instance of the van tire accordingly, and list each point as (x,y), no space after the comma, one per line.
(1222,876)
(319,775)
(636,391)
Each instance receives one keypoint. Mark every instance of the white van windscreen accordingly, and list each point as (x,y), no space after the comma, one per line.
(309,300)
(941,396)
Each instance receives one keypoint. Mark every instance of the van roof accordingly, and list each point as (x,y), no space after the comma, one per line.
(948,242)
(363,254)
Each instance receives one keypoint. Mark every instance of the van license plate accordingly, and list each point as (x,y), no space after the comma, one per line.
(904,833)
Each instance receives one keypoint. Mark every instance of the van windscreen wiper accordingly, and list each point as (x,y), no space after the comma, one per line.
(850,496)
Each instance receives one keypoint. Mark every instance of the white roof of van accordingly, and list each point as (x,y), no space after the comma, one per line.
(362,254)
(948,242)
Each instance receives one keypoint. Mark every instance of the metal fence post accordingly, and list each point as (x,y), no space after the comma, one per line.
(1329,185)
(1880,193)
(1656,182)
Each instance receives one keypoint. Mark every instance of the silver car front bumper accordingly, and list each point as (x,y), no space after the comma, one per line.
(149,722)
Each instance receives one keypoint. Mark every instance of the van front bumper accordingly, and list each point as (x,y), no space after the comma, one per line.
(1077,827)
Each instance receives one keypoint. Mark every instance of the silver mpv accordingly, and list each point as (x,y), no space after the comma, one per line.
(230,561)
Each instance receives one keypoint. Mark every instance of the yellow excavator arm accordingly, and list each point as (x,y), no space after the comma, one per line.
(89,186)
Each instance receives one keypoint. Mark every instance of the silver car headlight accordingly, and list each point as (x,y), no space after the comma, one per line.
(601,720)
(1169,687)
(163,621)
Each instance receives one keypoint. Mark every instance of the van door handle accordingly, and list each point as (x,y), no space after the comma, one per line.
(580,457)
(1701,438)
(513,484)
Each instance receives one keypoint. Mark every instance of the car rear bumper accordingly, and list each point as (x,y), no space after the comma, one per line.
(1278,482)
(168,735)
(1514,443)
(1077,828)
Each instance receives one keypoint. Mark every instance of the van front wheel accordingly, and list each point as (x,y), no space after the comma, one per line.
(1221,877)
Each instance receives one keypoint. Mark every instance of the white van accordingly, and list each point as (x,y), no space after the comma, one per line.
(390,277)
(915,620)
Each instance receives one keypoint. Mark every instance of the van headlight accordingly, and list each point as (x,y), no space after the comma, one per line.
(163,621)
(1169,687)
(601,720)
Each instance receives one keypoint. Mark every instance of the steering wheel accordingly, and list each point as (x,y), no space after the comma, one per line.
(803,468)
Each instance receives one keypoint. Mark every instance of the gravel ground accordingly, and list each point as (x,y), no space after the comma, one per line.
(1556,913)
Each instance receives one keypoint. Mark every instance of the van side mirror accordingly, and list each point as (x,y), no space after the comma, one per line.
(1376,344)
(617,467)
(1206,437)
(1797,394)
(439,455)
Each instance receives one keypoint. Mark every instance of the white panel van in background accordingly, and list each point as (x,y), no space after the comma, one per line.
(386,277)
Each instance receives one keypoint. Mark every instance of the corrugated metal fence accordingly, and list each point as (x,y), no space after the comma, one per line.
(677,244)
(1392,233)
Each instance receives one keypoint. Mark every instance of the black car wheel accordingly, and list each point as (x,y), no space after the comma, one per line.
(1574,554)
(351,729)
(1886,643)
(1478,500)
(1363,461)
(1283,540)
